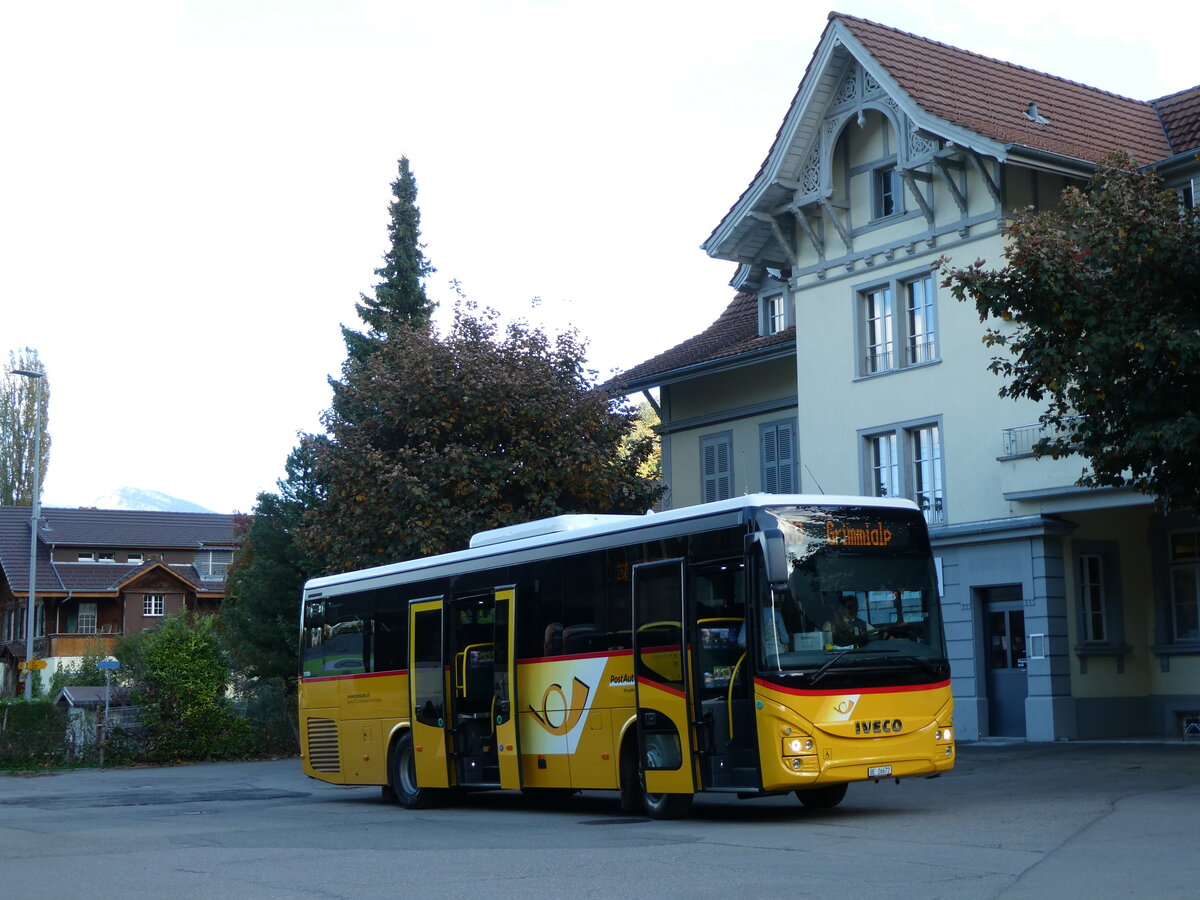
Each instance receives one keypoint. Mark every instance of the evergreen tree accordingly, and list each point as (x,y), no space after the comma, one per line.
(261,613)
(18,419)
(400,295)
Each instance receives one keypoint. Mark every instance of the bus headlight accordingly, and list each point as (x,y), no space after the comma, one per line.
(794,746)
(944,734)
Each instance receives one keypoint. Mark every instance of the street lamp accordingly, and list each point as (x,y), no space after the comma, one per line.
(35,514)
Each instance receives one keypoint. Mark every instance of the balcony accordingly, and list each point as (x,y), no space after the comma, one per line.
(76,644)
(1024,476)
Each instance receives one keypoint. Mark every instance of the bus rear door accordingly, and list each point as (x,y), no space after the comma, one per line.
(661,678)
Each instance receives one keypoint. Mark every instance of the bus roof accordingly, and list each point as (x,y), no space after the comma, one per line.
(563,529)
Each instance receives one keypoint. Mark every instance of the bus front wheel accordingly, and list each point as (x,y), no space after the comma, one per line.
(825,797)
(403,765)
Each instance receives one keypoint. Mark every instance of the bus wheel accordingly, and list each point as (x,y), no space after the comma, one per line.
(663,806)
(825,797)
(403,765)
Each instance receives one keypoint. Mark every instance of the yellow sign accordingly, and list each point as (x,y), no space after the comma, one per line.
(36,664)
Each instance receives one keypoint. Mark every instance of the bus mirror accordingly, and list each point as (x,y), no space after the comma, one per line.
(775,558)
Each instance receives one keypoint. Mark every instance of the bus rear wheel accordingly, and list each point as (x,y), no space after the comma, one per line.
(825,797)
(403,766)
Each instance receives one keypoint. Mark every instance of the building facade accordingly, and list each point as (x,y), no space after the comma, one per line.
(102,574)
(1071,613)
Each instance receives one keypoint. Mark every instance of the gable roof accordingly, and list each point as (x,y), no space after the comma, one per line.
(129,529)
(977,102)
(1180,115)
(734,335)
(991,97)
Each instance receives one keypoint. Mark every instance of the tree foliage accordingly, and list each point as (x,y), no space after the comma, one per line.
(179,673)
(436,438)
(18,419)
(645,421)
(260,614)
(400,296)
(1098,309)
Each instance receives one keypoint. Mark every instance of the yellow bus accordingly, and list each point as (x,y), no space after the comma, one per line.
(754,646)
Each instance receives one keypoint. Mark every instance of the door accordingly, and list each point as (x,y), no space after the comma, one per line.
(427,676)
(462,678)
(505,681)
(1004,625)
(661,683)
(722,690)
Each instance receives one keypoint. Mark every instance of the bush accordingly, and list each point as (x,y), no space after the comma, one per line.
(32,734)
(179,673)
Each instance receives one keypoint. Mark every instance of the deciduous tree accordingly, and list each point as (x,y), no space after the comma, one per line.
(18,419)
(436,438)
(1096,313)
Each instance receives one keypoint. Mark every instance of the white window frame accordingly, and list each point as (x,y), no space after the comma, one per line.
(774,313)
(87,618)
(1093,599)
(887,194)
(86,556)
(907,459)
(892,336)
(154,605)
(1183,554)
(106,556)
(133,559)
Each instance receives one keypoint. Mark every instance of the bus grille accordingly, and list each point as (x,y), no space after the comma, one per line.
(323,745)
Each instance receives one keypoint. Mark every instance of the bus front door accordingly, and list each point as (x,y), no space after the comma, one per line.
(463,676)
(427,685)
(661,678)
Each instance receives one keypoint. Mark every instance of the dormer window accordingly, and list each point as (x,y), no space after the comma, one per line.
(106,556)
(134,559)
(774,315)
(86,556)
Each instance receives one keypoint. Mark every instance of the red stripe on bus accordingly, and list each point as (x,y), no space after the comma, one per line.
(530,660)
(661,687)
(314,678)
(896,689)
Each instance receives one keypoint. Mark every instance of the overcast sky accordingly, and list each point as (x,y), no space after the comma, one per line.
(195,192)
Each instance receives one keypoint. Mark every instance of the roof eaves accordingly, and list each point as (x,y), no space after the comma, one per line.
(767,171)
(775,350)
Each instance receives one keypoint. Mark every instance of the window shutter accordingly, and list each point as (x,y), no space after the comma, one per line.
(770,459)
(778,458)
(786,466)
(716,475)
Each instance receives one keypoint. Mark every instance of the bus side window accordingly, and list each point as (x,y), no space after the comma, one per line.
(584,617)
(539,606)
(391,631)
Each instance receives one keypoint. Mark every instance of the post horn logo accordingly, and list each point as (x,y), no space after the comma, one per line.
(571,712)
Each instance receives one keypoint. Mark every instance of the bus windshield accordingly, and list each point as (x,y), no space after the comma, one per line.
(861,596)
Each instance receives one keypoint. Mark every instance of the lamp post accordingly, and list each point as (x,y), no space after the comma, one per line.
(35,514)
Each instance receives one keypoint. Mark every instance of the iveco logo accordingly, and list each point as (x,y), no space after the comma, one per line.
(879,726)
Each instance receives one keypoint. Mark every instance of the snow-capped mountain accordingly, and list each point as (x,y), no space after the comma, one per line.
(140,498)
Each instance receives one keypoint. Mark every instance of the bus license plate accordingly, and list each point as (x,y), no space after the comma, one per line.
(879,771)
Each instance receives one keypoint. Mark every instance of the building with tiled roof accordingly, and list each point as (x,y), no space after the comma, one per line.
(842,366)
(101,574)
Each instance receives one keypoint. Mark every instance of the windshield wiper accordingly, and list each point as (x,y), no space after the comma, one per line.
(828,664)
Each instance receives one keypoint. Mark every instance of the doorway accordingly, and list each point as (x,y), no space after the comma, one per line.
(1004,643)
